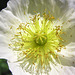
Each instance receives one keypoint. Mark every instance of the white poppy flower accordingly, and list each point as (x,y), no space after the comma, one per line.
(37,37)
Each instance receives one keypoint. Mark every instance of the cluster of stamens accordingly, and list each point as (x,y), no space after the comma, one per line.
(37,42)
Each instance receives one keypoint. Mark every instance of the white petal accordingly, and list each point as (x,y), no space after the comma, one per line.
(69,35)
(5,52)
(71,3)
(64,70)
(19,8)
(68,27)
(67,56)
(7,19)
(16,69)
(55,7)
(67,71)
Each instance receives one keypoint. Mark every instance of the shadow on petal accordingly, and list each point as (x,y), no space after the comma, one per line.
(56,8)
(69,35)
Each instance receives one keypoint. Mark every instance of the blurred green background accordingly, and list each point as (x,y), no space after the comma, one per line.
(4,70)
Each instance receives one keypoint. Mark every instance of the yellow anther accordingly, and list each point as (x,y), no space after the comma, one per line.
(24,13)
(11,27)
(52,17)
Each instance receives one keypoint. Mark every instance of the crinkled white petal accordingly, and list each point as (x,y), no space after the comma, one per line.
(6,53)
(69,35)
(68,23)
(21,8)
(67,56)
(67,71)
(68,19)
(71,3)
(16,69)
(64,70)
(7,19)
(55,7)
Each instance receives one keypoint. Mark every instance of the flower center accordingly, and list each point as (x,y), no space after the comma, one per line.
(40,39)
(37,42)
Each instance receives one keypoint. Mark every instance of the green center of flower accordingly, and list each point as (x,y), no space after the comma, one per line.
(40,39)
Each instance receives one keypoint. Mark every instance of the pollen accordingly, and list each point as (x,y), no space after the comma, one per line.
(37,43)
